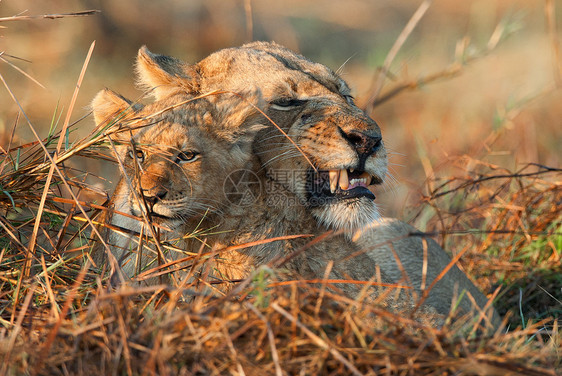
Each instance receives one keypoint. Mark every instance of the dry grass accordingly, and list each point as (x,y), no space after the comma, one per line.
(293,332)
(57,315)
(509,227)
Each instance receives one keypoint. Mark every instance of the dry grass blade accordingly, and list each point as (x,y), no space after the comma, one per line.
(426,292)
(46,348)
(438,192)
(317,340)
(50,293)
(7,151)
(11,233)
(449,72)
(21,71)
(271,339)
(50,16)
(326,276)
(160,269)
(324,281)
(550,11)
(17,328)
(414,20)
(249,20)
(32,242)
(74,96)
(462,59)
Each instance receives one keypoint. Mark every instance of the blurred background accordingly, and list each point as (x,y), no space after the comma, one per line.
(487,70)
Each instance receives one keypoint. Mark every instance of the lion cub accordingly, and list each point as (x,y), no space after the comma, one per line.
(174,155)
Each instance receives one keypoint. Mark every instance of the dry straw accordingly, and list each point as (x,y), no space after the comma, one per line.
(57,315)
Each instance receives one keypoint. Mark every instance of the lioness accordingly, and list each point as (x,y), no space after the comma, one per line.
(323,160)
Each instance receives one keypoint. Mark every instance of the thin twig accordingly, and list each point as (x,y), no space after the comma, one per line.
(544,169)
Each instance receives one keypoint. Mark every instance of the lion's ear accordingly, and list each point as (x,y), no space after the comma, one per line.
(164,75)
(109,106)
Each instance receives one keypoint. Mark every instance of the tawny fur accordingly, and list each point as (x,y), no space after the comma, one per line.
(318,128)
(184,151)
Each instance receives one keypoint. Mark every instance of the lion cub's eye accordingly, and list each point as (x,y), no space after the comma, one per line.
(187,156)
(286,104)
(138,154)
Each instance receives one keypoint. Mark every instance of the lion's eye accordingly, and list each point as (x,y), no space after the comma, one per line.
(187,156)
(286,104)
(138,154)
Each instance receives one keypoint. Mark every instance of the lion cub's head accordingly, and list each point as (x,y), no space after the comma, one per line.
(318,143)
(176,152)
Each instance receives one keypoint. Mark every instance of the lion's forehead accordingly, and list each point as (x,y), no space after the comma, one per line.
(170,122)
(270,69)
(167,136)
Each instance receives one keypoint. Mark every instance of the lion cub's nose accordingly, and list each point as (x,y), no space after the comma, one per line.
(152,196)
(155,182)
(364,144)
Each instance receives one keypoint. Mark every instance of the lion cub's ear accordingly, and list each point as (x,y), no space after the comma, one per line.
(109,106)
(164,75)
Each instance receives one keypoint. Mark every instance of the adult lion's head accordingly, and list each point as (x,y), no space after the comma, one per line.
(319,144)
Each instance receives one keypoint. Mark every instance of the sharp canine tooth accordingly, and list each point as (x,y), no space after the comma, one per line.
(334,175)
(351,169)
(344,181)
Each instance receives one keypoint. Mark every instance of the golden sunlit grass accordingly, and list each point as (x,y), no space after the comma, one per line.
(59,317)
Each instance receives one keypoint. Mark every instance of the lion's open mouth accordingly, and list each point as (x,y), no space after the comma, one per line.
(325,186)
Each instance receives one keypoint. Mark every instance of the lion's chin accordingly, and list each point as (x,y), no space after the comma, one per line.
(349,215)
